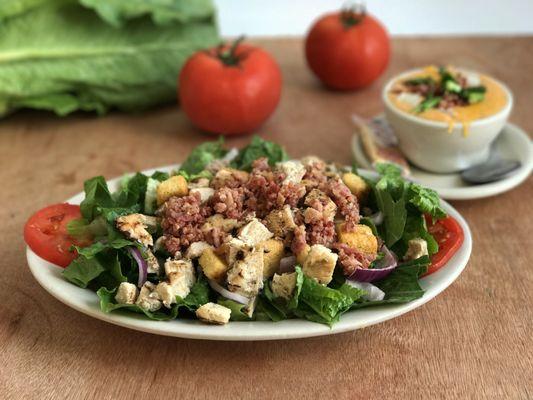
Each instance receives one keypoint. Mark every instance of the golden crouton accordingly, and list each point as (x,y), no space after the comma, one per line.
(173,186)
(273,250)
(357,186)
(361,238)
(212,265)
(320,264)
(301,256)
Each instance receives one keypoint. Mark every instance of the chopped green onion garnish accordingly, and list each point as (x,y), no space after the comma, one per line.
(473,94)
(430,102)
(475,97)
(452,86)
(426,80)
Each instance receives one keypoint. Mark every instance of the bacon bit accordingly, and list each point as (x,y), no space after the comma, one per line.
(321,232)
(215,237)
(182,218)
(346,202)
(315,175)
(290,193)
(350,258)
(229,202)
(299,241)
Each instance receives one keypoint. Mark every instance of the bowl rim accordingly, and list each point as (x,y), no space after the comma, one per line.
(503,113)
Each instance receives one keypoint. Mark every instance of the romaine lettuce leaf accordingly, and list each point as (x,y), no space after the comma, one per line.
(191,177)
(112,213)
(103,268)
(162,12)
(98,247)
(82,271)
(267,311)
(256,149)
(96,195)
(389,192)
(63,57)
(401,286)
(199,295)
(160,176)
(202,155)
(415,227)
(132,192)
(293,303)
(394,215)
(269,308)
(426,200)
(237,309)
(86,231)
(127,200)
(391,180)
(320,303)
(311,301)
(352,292)
(11,8)
(112,276)
(402,204)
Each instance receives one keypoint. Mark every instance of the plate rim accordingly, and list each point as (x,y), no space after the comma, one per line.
(48,276)
(475,191)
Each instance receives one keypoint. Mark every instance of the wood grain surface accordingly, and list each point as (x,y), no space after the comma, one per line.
(473,341)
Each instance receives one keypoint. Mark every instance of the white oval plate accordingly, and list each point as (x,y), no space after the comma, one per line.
(49,277)
(512,143)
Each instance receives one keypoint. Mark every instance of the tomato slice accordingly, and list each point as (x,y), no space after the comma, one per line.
(449,235)
(46,233)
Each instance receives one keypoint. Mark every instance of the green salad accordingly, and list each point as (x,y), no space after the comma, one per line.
(253,235)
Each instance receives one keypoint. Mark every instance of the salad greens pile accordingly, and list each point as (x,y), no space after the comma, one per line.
(95,55)
(108,261)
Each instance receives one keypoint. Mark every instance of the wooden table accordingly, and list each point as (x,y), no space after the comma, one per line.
(473,341)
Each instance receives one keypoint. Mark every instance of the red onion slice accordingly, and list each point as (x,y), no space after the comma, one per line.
(141,263)
(227,294)
(373,293)
(287,264)
(381,270)
(370,275)
(389,259)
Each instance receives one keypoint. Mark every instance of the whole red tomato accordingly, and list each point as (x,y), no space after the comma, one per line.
(347,50)
(230,89)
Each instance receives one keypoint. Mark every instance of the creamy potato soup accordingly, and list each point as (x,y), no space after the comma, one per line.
(448,95)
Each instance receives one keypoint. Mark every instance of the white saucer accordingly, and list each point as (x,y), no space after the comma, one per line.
(512,143)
